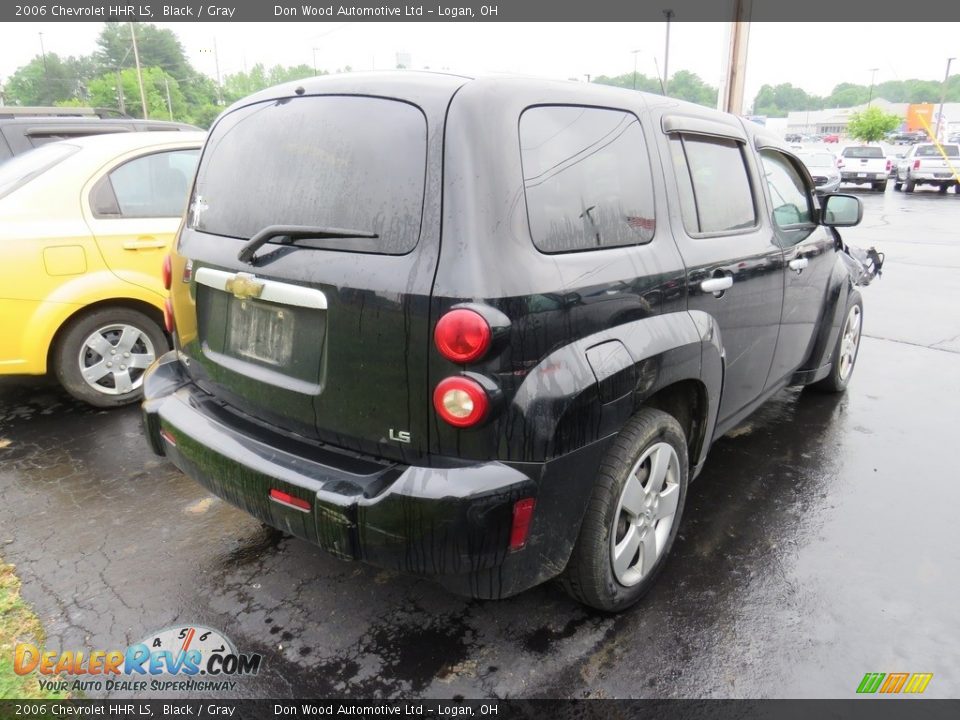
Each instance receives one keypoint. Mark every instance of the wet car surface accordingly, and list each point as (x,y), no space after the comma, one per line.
(819,543)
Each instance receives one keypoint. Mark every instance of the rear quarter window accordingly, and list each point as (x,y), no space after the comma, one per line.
(586,174)
(320,161)
(932,151)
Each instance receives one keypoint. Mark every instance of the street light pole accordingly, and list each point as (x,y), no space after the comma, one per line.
(873,74)
(666,51)
(943,97)
(43,53)
(315,62)
(635,68)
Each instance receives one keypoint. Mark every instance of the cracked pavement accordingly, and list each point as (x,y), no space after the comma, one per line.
(819,543)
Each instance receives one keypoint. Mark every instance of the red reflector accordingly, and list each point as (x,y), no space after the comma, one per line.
(289,500)
(168,436)
(168,315)
(460,401)
(462,335)
(522,515)
(167,272)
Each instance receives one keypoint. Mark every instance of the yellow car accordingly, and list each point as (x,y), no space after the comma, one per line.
(85,226)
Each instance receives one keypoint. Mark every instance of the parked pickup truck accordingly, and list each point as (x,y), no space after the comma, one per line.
(926,165)
(864,165)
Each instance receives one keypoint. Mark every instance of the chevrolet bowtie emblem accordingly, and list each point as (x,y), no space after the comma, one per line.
(244,285)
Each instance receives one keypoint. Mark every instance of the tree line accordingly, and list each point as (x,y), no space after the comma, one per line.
(174,89)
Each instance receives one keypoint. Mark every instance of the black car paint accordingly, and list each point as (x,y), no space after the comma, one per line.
(611,330)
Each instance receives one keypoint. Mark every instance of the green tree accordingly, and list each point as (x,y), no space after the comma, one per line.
(239,85)
(778,100)
(104,93)
(872,124)
(48,82)
(683,85)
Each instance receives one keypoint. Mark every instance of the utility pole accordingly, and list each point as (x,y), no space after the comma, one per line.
(873,74)
(943,97)
(120,98)
(733,79)
(587,76)
(666,52)
(166,85)
(136,57)
(635,68)
(315,62)
(43,54)
(216,64)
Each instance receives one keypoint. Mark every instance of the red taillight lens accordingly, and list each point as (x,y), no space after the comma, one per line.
(916,164)
(289,500)
(462,335)
(167,272)
(522,516)
(839,162)
(460,401)
(889,165)
(168,315)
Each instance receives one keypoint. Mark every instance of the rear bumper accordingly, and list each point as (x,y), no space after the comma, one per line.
(451,521)
(940,178)
(863,177)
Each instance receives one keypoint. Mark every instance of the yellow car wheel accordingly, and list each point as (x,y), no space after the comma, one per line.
(102,355)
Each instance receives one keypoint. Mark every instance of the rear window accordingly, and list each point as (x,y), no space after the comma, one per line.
(355,163)
(18,171)
(863,152)
(931,151)
(587,178)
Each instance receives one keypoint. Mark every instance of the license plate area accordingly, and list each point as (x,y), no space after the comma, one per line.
(261,332)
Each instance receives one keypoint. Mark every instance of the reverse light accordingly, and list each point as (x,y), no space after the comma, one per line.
(462,335)
(167,272)
(461,401)
(168,321)
(289,500)
(522,516)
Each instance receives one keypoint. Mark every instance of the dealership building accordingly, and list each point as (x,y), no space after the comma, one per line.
(819,122)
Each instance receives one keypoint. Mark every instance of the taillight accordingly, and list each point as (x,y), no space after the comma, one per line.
(522,515)
(461,401)
(289,500)
(889,165)
(916,164)
(168,315)
(839,162)
(167,272)
(462,335)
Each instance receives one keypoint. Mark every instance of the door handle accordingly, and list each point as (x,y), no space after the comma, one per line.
(144,243)
(717,284)
(798,264)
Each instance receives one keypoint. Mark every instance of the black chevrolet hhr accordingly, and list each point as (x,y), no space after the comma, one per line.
(486,329)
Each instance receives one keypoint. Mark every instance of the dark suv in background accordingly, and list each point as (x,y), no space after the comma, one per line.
(24,128)
(486,330)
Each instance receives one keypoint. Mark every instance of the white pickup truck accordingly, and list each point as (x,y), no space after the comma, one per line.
(864,165)
(924,164)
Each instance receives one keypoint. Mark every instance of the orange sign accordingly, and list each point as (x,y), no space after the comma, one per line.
(919,115)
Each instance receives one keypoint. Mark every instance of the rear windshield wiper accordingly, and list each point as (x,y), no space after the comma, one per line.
(289,234)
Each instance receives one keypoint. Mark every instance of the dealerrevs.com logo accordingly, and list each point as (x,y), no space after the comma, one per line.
(174,659)
(894,683)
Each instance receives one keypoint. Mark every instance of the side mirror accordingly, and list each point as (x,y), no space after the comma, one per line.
(841,211)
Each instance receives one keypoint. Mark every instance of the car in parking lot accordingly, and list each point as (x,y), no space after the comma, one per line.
(929,164)
(486,329)
(865,165)
(822,166)
(22,130)
(84,227)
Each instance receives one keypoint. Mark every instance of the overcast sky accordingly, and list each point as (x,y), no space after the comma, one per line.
(814,56)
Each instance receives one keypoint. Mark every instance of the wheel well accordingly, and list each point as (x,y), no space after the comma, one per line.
(146,308)
(686,401)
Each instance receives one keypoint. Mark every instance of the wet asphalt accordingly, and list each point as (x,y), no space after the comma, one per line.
(821,541)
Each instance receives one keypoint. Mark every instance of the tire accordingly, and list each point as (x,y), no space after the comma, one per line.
(83,371)
(942,189)
(644,536)
(846,350)
(909,186)
(897,185)
(880,187)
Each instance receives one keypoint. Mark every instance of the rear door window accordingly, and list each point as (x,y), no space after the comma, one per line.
(356,163)
(152,186)
(587,179)
(715,192)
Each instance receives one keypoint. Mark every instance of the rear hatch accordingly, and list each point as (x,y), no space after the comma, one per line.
(323,330)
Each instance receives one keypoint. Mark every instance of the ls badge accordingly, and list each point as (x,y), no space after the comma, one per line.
(400,435)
